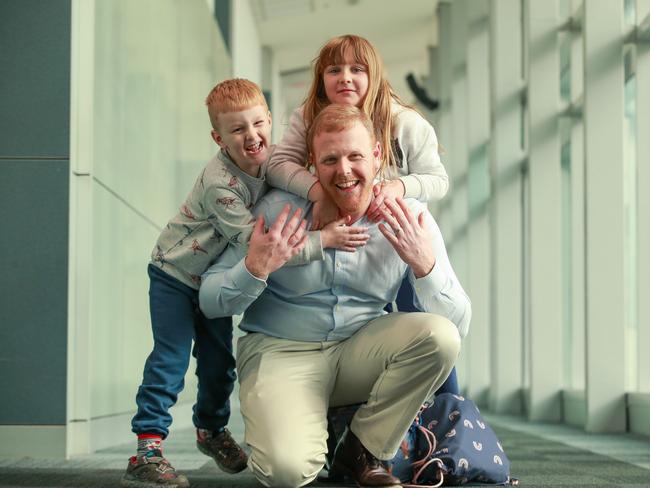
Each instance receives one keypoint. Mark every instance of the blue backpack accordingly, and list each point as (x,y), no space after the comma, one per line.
(449,443)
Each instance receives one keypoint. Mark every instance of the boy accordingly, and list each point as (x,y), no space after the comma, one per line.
(215,214)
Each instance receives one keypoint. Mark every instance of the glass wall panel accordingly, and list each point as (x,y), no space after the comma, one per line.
(630,221)
(155,61)
(567,312)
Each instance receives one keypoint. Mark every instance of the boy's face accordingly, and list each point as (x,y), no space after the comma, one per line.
(246,135)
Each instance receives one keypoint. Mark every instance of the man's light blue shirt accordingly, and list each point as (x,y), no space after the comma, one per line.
(330,300)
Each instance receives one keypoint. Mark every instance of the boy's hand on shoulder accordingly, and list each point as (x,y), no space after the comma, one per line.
(392,189)
(338,235)
(271,249)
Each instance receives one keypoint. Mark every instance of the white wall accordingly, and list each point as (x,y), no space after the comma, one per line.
(245,43)
(141,134)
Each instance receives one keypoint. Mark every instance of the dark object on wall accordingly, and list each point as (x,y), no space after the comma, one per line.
(222,12)
(421,94)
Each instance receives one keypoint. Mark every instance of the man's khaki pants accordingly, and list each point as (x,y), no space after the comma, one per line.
(392,364)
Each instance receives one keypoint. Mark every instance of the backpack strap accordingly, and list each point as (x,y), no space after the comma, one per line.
(420,465)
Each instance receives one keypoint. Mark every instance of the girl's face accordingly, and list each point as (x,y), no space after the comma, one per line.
(346,83)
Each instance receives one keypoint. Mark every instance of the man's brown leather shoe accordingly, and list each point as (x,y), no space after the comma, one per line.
(354,460)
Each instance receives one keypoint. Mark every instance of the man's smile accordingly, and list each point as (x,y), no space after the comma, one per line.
(347,185)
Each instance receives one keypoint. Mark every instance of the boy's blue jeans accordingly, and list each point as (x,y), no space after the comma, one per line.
(176,321)
(404,303)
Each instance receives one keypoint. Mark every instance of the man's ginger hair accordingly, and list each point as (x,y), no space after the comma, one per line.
(233,96)
(337,118)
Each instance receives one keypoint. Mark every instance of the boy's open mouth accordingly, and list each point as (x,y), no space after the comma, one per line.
(254,148)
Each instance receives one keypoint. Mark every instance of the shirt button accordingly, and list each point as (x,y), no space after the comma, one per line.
(338,265)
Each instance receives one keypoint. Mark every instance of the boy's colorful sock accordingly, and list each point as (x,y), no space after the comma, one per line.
(148,443)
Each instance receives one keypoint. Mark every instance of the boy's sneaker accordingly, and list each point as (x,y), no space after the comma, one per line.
(221,447)
(152,471)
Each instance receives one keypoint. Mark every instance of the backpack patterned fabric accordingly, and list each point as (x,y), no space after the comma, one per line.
(466,447)
(449,443)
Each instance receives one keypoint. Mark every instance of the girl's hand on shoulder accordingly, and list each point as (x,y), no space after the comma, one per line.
(338,235)
(392,189)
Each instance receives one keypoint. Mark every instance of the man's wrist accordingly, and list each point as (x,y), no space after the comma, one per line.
(255,269)
(423,269)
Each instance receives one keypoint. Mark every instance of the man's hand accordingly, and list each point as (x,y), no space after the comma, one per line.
(337,234)
(409,236)
(268,251)
(386,190)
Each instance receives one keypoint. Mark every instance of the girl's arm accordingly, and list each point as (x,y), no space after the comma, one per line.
(421,172)
(286,168)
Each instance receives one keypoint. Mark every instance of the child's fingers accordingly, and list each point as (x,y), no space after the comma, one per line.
(376,203)
(358,242)
(348,249)
(355,230)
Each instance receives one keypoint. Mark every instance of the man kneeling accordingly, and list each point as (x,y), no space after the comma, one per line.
(318,336)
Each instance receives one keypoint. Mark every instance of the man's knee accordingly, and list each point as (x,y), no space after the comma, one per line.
(282,468)
(439,334)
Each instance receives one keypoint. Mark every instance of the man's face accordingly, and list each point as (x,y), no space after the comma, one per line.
(346,164)
(246,135)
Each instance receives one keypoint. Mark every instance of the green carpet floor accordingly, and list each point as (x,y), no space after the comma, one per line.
(537,462)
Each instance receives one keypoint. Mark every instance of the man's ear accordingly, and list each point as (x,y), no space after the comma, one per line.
(376,152)
(311,163)
(217,138)
(270,118)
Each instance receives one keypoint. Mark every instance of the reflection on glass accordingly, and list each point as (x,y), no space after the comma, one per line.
(567,265)
(629,223)
(525,225)
(630,12)
(565,68)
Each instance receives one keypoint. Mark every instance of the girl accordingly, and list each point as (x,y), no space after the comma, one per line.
(348,70)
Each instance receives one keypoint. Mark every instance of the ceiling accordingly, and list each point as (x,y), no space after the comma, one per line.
(401,30)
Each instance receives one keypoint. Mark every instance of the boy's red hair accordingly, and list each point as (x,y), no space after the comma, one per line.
(233,96)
